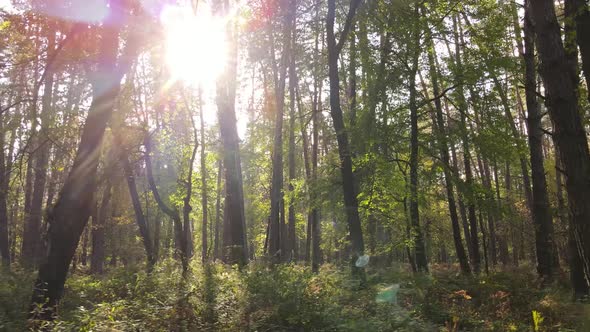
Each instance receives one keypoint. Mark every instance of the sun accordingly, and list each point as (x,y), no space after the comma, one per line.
(195,44)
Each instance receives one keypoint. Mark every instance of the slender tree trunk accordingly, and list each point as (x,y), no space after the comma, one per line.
(157,234)
(569,134)
(180,236)
(84,253)
(316,232)
(98,231)
(32,245)
(578,12)
(292,236)
(186,207)
(4,186)
(350,199)
(503,234)
(440,130)
(475,258)
(491,213)
(204,188)
(306,164)
(419,248)
(275,241)
(27,246)
(217,211)
(352,77)
(312,250)
(462,208)
(139,216)
(484,242)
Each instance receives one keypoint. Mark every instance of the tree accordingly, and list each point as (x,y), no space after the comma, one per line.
(541,208)
(344,152)
(462,107)
(73,207)
(204,189)
(235,245)
(568,132)
(440,129)
(98,230)
(420,250)
(276,229)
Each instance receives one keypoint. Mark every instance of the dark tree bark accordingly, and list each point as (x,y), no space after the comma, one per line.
(98,231)
(462,105)
(32,245)
(291,244)
(4,181)
(217,211)
(314,225)
(187,208)
(306,165)
(569,134)
(180,237)
(344,151)
(140,218)
(419,248)
(276,242)
(72,210)
(577,11)
(440,130)
(84,253)
(27,249)
(316,232)
(541,211)
(204,188)
(235,244)
(352,78)
(510,119)
(157,234)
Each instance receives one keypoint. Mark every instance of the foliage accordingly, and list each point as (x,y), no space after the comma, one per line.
(291,298)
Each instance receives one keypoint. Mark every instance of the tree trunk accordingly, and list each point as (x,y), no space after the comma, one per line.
(352,78)
(204,189)
(419,248)
(578,12)
(98,231)
(76,199)
(307,165)
(179,235)
(440,130)
(4,186)
(475,258)
(217,212)
(349,191)
(541,211)
(275,240)
(140,218)
(569,134)
(314,225)
(187,208)
(32,245)
(292,236)
(235,248)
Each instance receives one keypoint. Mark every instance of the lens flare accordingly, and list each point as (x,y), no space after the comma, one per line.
(195,44)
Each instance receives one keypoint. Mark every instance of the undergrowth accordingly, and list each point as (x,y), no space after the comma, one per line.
(292,298)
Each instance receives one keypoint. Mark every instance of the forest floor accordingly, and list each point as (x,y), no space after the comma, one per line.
(291,298)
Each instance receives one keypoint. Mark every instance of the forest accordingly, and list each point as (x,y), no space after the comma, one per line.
(294,165)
